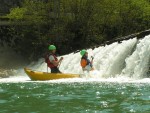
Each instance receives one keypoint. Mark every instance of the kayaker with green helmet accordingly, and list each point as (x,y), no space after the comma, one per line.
(52,61)
(86,64)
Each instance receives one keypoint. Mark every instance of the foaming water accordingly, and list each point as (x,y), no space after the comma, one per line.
(130,58)
(25,79)
(119,62)
(137,65)
(108,60)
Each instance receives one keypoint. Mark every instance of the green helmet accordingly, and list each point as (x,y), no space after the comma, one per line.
(51,47)
(82,52)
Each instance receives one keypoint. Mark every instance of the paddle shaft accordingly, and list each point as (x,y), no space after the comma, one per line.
(59,63)
(47,68)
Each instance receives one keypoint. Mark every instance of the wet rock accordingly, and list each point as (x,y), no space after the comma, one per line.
(5,73)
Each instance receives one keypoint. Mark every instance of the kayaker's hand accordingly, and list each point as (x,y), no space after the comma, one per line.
(61,58)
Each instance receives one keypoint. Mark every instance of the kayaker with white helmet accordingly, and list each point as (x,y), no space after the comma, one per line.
(86,64)
(52,61)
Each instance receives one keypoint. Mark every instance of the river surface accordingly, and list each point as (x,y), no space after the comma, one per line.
(74,96)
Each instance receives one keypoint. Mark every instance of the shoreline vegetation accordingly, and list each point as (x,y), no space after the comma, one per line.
(70,25)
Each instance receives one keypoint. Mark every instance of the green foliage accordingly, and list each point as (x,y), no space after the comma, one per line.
(75,24)
(17,13)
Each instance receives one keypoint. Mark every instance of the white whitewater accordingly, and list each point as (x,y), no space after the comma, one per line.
(121,62)
(108,61)
(137,65)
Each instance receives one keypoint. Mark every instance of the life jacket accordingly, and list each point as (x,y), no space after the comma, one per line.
(85,61)
(49,63)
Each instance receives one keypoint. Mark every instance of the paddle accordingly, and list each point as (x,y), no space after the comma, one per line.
(60,62)
(47,68)
(92,59)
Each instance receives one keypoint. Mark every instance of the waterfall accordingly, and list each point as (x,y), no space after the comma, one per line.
(130,58)
(108,60)
(137,65)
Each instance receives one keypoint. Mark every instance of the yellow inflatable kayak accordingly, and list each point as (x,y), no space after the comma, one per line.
(35,75)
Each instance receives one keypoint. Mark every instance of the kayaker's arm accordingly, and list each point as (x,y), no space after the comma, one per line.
(92,59)
(56,63)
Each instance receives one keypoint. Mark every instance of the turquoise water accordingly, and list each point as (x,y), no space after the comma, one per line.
(77,97)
